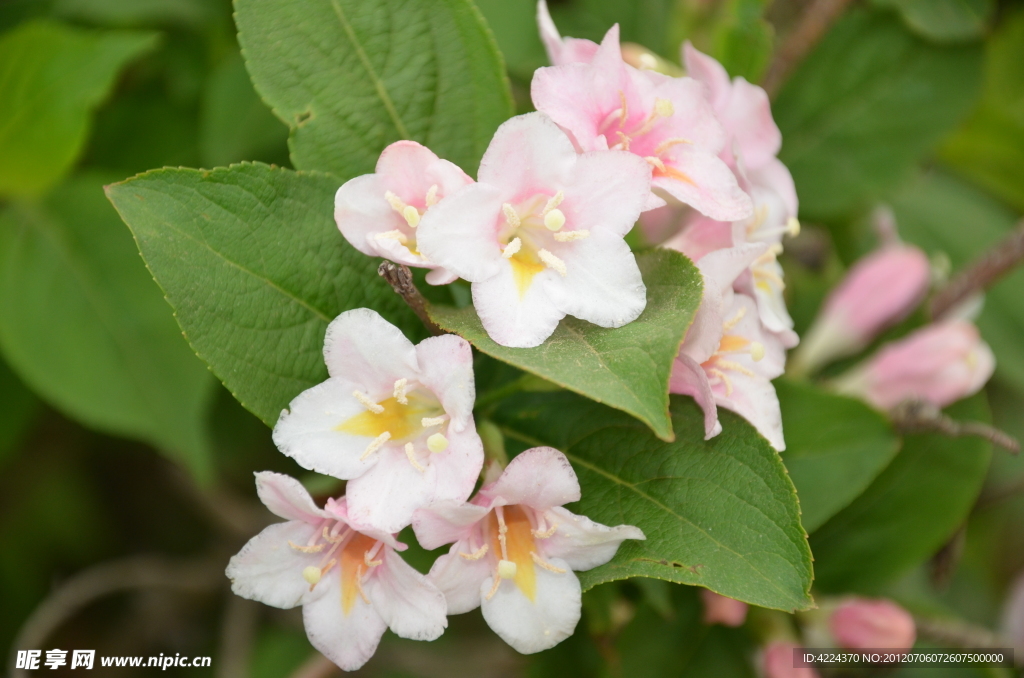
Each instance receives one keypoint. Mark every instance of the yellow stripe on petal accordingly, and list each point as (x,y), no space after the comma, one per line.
(523,272)
(402,421)
(731,343)
(352,567)
(519,544)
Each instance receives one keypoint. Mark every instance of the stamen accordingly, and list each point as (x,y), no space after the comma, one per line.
(757,351)
(312,575)
(731,323)
(437,443)
(412,216)
(655,163)
(770,275)
(410,452)
(664,108)
(365,401)
(401,388)
(499,513)
(432,196)
(546,565)
(376,444)
(793,226)
(569,236)
(623,144)
(396,203)
(669,143)
(494,589)
(623,109)
(553,202)
(327,568)
(359,585)
(544,534)
(554,220)
(427,422)
(307,549)
(507,569)
(510,215)
(368,559)
(552,262)
(511,248)
(723,378)
(333,538)
(735,367)
(392,235)
(475,555)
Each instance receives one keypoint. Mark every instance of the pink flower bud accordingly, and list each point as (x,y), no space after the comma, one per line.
(861,624)
(880,290)
(777,662)
(939,364)
(719,609)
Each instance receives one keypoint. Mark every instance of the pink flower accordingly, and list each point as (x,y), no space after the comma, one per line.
(860,624)
(940,364)
(719,609)
(727,359)
(562,50)
(777,662)
(350,581)
(516,548)
(541,235)
(666,121)
(394,419)
(880,290)
(379,213)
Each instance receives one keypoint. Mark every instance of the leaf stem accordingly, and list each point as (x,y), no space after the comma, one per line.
(981,274)
(916,416)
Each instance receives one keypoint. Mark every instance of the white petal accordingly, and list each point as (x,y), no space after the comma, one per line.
(514,319)
(387,495)
(540,477)
(581,542)
(754,399)
(532,626)
(348,640)
(607,192)
(460,233)
(689,378)
(527,152)
(446,368)
(286,497)
(410,604)
(458,467)
(444,522)
(267,569)
(361,212)
(440,276)
(460,579)
(362,347)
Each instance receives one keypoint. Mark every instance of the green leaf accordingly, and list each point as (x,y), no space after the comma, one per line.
(908,512)
(720,513)
(941,214)
(349,77)
(514,23)
(865,107)
(19,407)
(944,20)
(835,447)
(82,323)
(743,39)
(51,79)
(235,125)
(193,14)
(645,22)
(627,368)
(989,148)
(255,269)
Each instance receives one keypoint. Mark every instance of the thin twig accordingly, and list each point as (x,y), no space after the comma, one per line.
(400,279)
(816,21)
(916,416)
(317,666)
(957,633)
(238,631)
(984,272)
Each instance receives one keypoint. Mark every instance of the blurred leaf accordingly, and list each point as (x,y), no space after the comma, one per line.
(350,77)
(720,513)
(743,39)
(19,407)
(236,125)
(865,107)
(628,367)
(941,214)
(835,447)
(908,512)
(989,148)
(514,23)
(254,267)
(645,21)
(51,79)
(944,20)
(136,13)
(81,321)
(279,652)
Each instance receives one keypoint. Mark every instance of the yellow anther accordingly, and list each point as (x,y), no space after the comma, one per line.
(507,569)
(410,453)
(623,109)
(553,202)
(475,555)
(377,443)
(427,422)
(437,443)
(401,388)
(669,143)
(731,323)
(545,534)
(569,236)
(396,203)
(365,401)
(546,565)
(623,144)
(553,262)
(316,548)
(369,562)
(655,163)
(735,367)
(432,196)
(412,216)
(793,226)
(510,215)
(723,378)
(664,108)
(312,575)
(757,351)
(392,235)
(511,248)
(554,220)
(494,588)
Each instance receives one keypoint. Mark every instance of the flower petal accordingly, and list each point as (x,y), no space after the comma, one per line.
(540,477)
(581,542)
(267,569)
(708,71)
(446,368)
(527,151)
(364,348)
(348,640)
(444,522)
(409,169)
(410,604)
(286,497)
(561,50)
(748,118)
(689,378)
(361,211)
(460,233)
(514,318)
(607,192)
(709,186)
(754,399)
(460,579)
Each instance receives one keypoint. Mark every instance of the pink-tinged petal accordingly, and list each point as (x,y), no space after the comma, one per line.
(460,233)
(540,478)
(446,368)
(700,179)
(777,662)
(348,640)
(411,605)
(338,509)
(709,72)
(719,609)
(364,348)
(409,169)
(460,579)
(269,570)
(361,212)
(308,431)
(775,177)
(393,250)
(527,151)
(689,378)
(515,318)
(444,522)
(458,466)
(562,50)
(721,268)
(607,192)
(440,276)
(700,236)
(531,626)
(387,495)
(860,624)
(748,119)
(692,119)
(663,224)
(286,497)
(603,284)
(754,399)
(581,542)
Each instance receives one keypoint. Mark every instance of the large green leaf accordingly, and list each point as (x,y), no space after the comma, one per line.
(627,368)
(720,513)
(51,79)
(254,267)
(83,324)
(349,77)
(19,407)
(908,512)
(942,214)
(835,447)
(865,107)
(944,20)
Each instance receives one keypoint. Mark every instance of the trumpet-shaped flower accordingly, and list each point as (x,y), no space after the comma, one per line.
(541,234)
(379,213)
(515,549)
(350,581)
(727,359)
(394,419)
(860,624)
(719,609)
(607,104)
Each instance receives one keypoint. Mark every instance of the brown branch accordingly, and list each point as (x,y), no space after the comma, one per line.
(238,632)
(816,21)
(317,666)
(915,416)
(958,634)
(983,272)
(400,279)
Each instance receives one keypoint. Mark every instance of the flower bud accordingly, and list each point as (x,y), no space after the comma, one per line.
(862,624)
(880,290)
(719,609)
(777,662)
(939,364)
